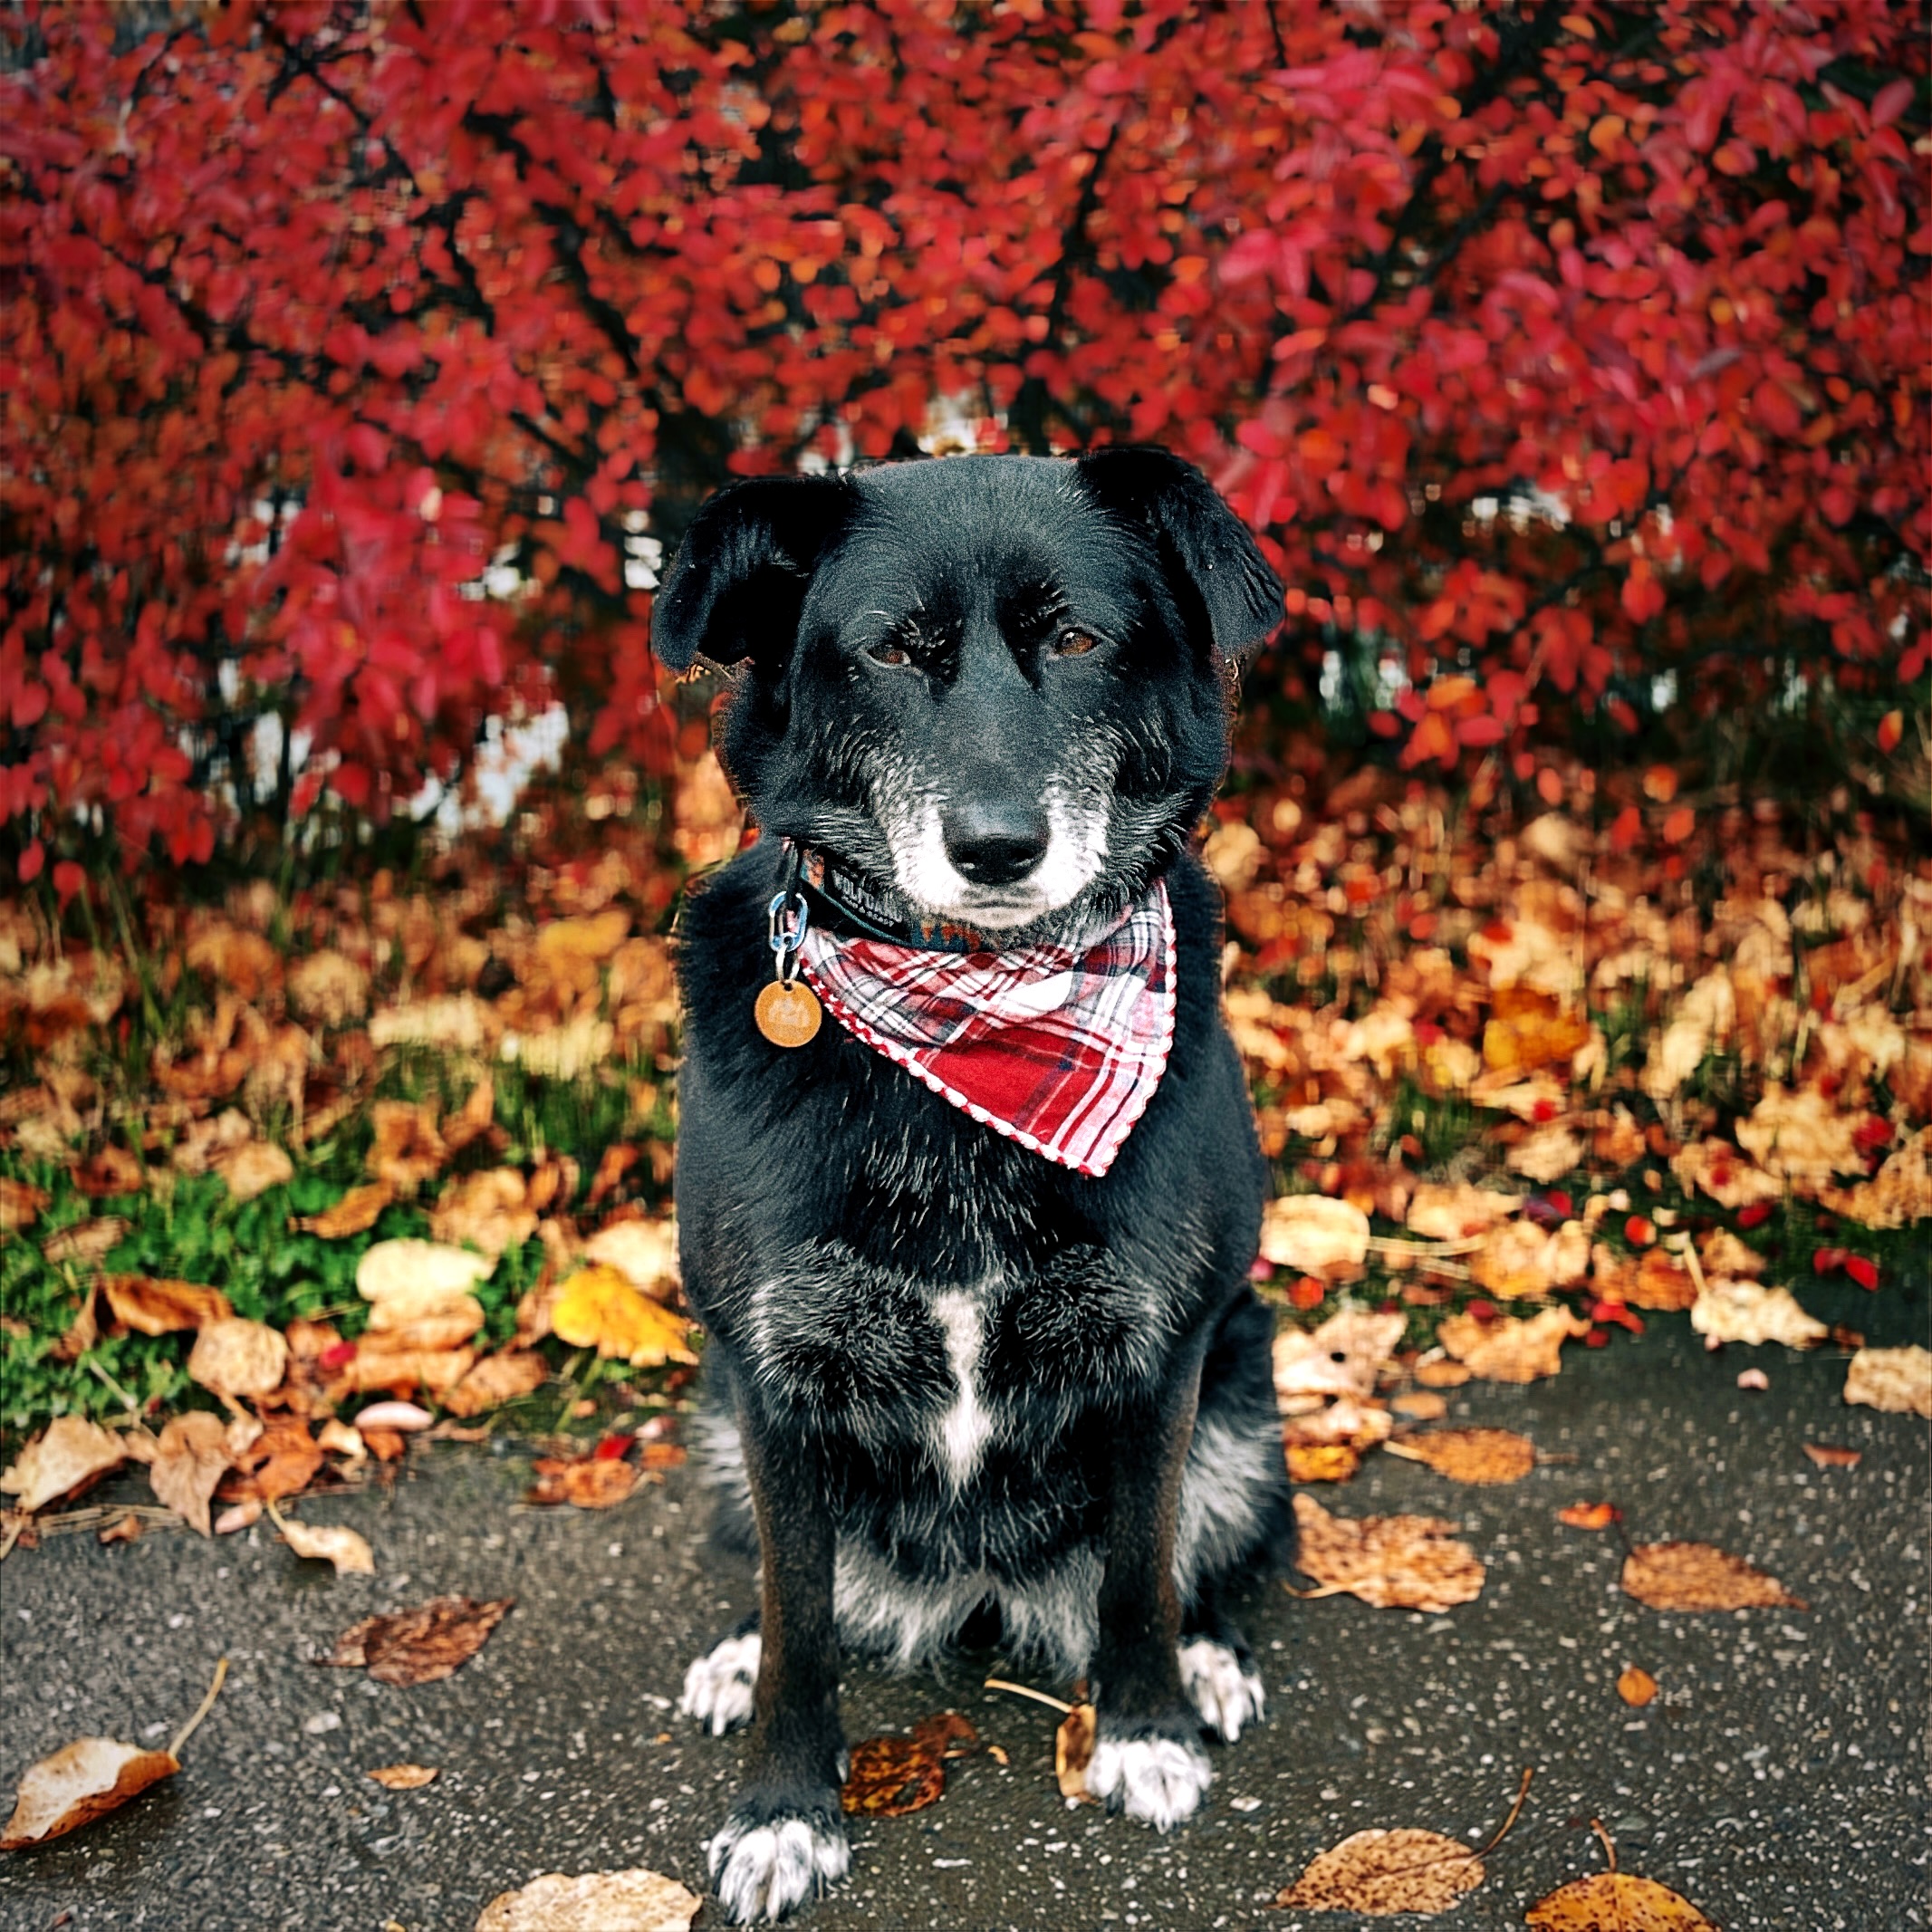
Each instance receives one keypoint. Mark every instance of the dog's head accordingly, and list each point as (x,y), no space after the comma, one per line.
(999,687)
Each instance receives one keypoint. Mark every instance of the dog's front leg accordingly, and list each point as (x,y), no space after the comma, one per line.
(1148,1759)
(785,1838)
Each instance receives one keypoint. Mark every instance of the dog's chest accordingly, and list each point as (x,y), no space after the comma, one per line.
(863,1349)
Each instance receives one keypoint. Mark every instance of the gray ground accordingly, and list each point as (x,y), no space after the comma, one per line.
(1778,1780)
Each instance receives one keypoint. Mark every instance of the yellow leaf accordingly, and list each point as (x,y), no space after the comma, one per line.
(600,1309)
(1615,1900)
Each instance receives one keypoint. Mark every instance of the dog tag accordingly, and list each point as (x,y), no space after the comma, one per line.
(788,1016)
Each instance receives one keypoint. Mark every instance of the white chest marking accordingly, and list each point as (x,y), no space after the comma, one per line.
(961,1434)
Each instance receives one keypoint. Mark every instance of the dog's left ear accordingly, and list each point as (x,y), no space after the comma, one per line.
(739,580)
(1213,563)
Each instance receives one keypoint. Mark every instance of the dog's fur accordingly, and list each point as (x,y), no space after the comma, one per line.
(947,1379)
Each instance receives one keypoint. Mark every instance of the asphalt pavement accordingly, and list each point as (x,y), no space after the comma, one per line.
(1777,1780)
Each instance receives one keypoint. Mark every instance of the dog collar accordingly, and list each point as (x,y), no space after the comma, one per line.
(842,902)
(1057,1047)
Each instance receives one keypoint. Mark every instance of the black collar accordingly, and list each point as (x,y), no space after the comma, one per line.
(841,901)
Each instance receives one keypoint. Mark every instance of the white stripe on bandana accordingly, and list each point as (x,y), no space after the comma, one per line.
(1058,1048)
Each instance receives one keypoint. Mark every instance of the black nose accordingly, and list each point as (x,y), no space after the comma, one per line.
(993,845)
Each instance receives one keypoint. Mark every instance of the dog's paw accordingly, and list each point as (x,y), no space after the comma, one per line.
(1228,1693)
(769,1859)
(1154,1777)
(720,1685)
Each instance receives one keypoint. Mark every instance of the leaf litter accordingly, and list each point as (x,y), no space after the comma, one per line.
(600,1901)
(1394,1563)
(892,1777)
(1697,1577)
(419,1646)
(1470,1455)
(1615,1902)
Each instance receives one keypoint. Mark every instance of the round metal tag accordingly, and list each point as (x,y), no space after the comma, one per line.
(788,1016)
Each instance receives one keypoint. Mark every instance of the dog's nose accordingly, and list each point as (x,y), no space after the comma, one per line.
(993,845)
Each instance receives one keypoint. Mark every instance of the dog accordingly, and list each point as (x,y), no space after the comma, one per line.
(983,1352)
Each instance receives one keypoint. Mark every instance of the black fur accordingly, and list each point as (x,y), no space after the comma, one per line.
(975,634)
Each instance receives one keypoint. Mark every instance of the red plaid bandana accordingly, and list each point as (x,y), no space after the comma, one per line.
(1058,1048)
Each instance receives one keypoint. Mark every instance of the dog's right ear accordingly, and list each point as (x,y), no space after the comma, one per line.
(739,580)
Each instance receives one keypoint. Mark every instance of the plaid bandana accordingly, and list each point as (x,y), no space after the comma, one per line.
(1058,1048)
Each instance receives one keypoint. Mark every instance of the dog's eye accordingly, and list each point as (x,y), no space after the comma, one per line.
(1073,643)
(890,652)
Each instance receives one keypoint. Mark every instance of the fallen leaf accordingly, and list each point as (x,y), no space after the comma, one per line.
(1470,1455)
(406,1149)
(78,1784)
(599,1308)
(1382,1873)
(1547,1155)
(1441,1374)
(644,1252)
(1827,1455)
(82,1333)
(1748,1312)
(1588,1515)
(1348,1422)
(585,1482)
(253,1168)
(1322,1462)
(155,1307)
(1696,1577)
(192,1457)
(1342,1356)
(1801,1136)
(1636,1688)
(1898,1193)
(419,1292)
(1518,1258)
(1706,1014)
(330,1544)
(356,1213)
(497,1379)
(596,1901)
(282,1461)
(1719,1170)
(1313,1235)
(86,1240)
(419,1646)
(490,1210)
(1073,1752)
(405,1777)
(20,1204)
(113,1170)
(1512,1351)
(395,1363)
(70,1454)
(123,1529)
(236,1357)
(1724,1254)
(892,1776)
(1615,1902)
(1899,1380)
(1394,1563)
(1442,1213)
(1421,1405)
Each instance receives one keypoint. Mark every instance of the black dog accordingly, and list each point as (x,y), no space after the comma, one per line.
(952,1377)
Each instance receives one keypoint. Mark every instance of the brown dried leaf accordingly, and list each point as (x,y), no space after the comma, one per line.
(1512,1351)
(1548,1154)
(20,1204)
(1471,1456)
(237,1357)
(124,1528)
(422,1645)
(154,1306)
(1636,1688)
(1723,1173)
(1441,1374)
(1313,1235)
(497,1379)
(84,1330)
(1346,1422)
(645,1253)
(949,1733)
(892,1776)
(1898,1193)
(1073,1752)
(1588,1515)
(1697,1577)
(192,1458)
(113,1170)
(356,1213)
(1382,1873)
(607,1901)
(78,1784)
(1394,1563)
(406,1149)
(282,1462)
(585,1481)
(405,1777)
(85,1240)
(1799,1136)
(490,1209)
(1615,1902)
(253,1168)
(1827,1455)
(72,1453)
(1341,1357)
(1748,1312)
(395,1363)
(1439,1213)
(1322,1462)
(330,1544)
(1899,1380)
(1421,1405)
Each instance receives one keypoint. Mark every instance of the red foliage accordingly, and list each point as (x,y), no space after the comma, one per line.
(1547,344)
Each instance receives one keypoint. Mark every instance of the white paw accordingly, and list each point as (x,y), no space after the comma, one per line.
(763,1871)
(719,1687)
(1156,1780)
(1227,1697)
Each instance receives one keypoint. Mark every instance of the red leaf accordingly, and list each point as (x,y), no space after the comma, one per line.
(1863,1272)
